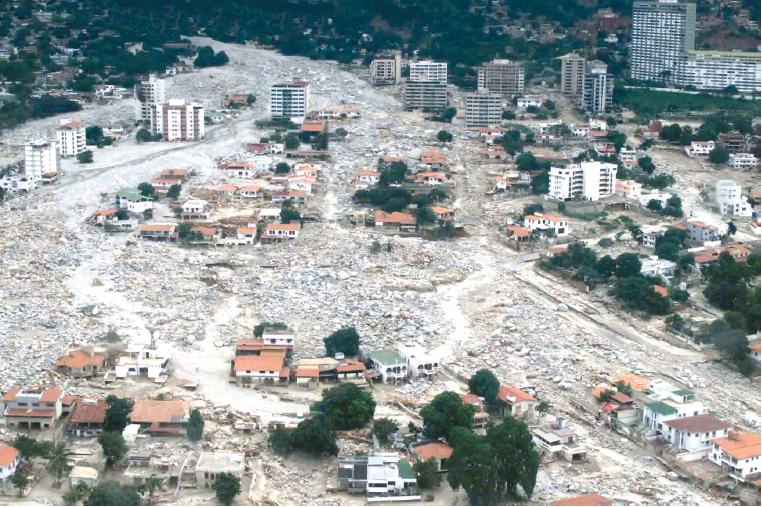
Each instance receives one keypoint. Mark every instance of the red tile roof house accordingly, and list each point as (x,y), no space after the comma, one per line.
(437,451)
(255,346)
(402,221)
(695,433)
(81,363)
(280,232)
(481,417)
(87,418)
(443,214)
(268,367)
(350,369)
(10,458)
(34,408)
(591,500)
(516,402)
(168,417)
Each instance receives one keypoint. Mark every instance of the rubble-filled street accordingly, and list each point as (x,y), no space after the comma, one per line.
(472,301)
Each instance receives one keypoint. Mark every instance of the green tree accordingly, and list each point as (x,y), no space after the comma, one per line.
(282,168)
(226,487)
(251,98)
(113,446)
(727,282)
(19,480)
(31,448)
(117,413)
(113,493)
(75,494)
(484,383)
(627,264)
(532,208)
(426,474)
(527,162)
(58,462)
(195,426)
(94,135)
(85,157)
(280,441)
(346,407)
(291,142)
(315,435)
(472,466)
(289,214)
(345,340)
(719,155)
(540,183)
(605,266)
(174,191)
(445,412)
(383,429)
(669,251)
(518,461)
(637,293)
(646,164)
(147,190)
(143,136)
(207,58)
(654,205)
(444,136)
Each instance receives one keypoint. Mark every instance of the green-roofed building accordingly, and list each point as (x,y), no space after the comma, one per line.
(661,408)
(683,395)
(131,199)
(405,470)
(391,366)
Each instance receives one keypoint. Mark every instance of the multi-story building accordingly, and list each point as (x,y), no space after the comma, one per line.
(386,70)
(426,89)
(290,100)
(731,200)
(744,161)
(739,454)
(40,166)
(177,120)
(33,407)
(70,137)
(663,32)
(588,180)
(598,88)
(502,76)
(483,108)
(572,75)
(149,92)
(545,222)
(717,70)
(700,149)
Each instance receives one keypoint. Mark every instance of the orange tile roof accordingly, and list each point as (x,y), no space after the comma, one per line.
(439,210)
(266,361)
(396,217)
(740,445)
(431,450)
(8,455)
(10,395)
(30,412)
(600,389)
(368,173)
(159,411)
(308,371)
(518,231)
(470,399)
(313,126)
(431,174)
(51,394)
(283,227)
(156,228)
(755,346)
(545,216)
(106,212)
(87,412)
(432,156)
(251,188)
(204,231)
(510,394)
(592,500)
(79,359)
(636,382)
(159,181)
(349,366)
(256,345)
(226,187)
(661,290)
(247,231)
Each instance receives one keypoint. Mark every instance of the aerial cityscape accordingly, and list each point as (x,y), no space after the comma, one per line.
(395,252)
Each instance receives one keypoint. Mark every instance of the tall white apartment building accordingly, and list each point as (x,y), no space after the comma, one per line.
(483,108)
(743,161)
(663,32)
(599,88)
(502,76)
(428,71)
(386,70)
(150,91)
(716,70)
(290,100)
(70,137)
(40,166)
(426,88)
(591,181)
(177,120)
(730,198)
(573,75)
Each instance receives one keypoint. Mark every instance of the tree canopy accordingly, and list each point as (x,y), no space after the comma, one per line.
(445,412)
(346,407)
(345,340)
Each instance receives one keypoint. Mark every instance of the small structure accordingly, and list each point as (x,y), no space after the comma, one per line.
(350,370)
(167,417)
(158,232)
(132,200)
(88,417)
(10,458)
(143,361)
(654,266)
(378,475)
(517,403)
(279,337)
(268,366)
(211,464)
(420,362)
(437,451)
(280,232)
(591,500)
(559,441)
(695,433)
(84,475)
(81,363)
(195,209)
(391,366)
(401,221)
(544,222)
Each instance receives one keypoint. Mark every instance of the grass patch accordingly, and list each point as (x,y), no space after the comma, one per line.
(650,102)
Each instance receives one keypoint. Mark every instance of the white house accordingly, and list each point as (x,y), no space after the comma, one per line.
(731,200)
(695,433)
(654,266)
(70,137)
(279,337)
(529,100)
(700,149)
(649,234)
(143,361)
(738,453)
(743,161)
(654,195)
(132,200)
(676,404)
(377,475)
(84,475)
(211,464)
(391,366)
(517,403)
(195,208)
(10,458)
(420,362)
(280,232)
(544,222)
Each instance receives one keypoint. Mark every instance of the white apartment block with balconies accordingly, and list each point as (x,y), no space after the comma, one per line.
(730,198)
(717,70)
(590,181)
(149,92)
(290,100)
(177,120)
(743,161)
(502,76)
(483,108)
(386,70)
(40,166)
(70,137)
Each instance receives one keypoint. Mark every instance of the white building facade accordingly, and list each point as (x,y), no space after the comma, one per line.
(290,100)
(731,200)
(598,88)
(502,76)
(426,89)
(177,120)
(483,108)
(149,92)
(386,70)
(70,138)
(591,181)
(717,70)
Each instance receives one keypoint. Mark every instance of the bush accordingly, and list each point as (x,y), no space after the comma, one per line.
(207,58)
(86,157)
(346,407)
(346,340)
(444,136)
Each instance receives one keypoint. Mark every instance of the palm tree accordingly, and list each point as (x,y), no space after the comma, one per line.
(58,461)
